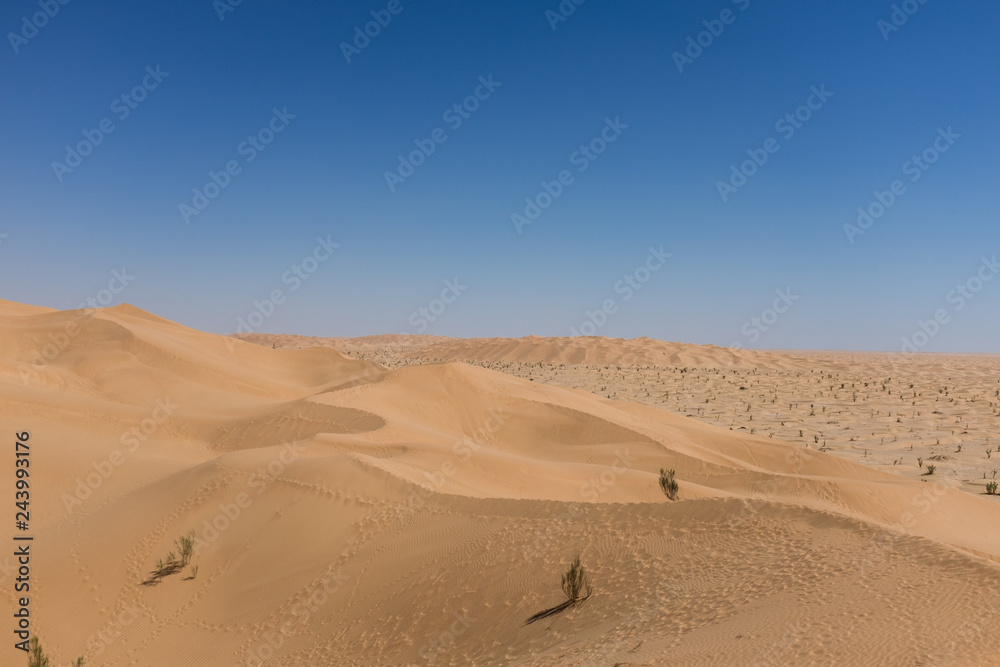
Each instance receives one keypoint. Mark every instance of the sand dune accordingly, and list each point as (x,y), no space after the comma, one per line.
(346,513)
(594,351)
(584,350)
(894,412)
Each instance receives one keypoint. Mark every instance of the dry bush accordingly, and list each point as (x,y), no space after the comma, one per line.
(173,563)
(575,582)
(668,484)
(576,586)
(36,656)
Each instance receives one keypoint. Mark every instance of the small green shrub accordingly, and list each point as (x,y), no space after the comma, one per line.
(576,586)
(185,545)
(668,484)
(575,582)
(36,656)
(173,563)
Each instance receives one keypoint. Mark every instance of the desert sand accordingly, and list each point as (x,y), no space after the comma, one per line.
(895,411)
(413,502)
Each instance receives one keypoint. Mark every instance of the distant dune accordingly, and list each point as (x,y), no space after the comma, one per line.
(592,351)
(583,350)
(346,513)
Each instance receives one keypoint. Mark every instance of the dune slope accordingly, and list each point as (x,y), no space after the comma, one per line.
(348,514)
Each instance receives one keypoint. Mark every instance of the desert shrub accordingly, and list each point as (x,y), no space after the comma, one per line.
(575,582)
(185,546)
(36,656)
(991,488)
(668,484)
(576,586)
(931,468)
(173,563)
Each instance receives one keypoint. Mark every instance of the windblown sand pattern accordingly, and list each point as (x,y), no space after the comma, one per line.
(349,513)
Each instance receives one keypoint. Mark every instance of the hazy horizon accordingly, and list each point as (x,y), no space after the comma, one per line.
(613,122)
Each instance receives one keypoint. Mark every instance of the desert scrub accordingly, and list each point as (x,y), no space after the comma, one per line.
(575,585)
(174,562)
(668,484)
(36,656)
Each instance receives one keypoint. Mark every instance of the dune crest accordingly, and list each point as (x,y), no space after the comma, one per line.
(345,513)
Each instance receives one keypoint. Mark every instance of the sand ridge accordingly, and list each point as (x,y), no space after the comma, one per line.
(350,513)
(891,411)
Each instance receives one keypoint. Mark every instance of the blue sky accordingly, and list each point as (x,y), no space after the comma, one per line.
(554,87)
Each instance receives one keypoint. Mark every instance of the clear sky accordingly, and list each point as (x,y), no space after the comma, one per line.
(622,122)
